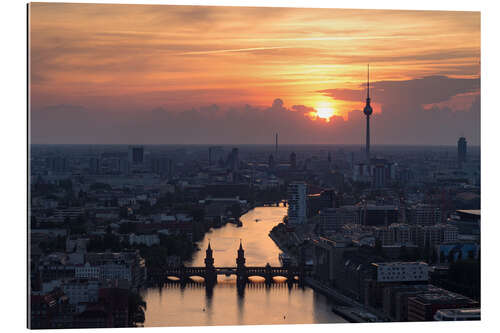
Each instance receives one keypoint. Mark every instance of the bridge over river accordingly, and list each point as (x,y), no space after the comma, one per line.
(242,272)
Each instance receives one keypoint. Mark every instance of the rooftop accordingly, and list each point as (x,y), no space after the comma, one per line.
(476,212)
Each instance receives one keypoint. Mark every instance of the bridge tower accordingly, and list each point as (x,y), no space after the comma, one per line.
(268,275)
(241,270)
(209,259)
(210,273)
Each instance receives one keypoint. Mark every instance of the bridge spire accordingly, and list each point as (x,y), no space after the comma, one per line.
(240,260)
(209,259)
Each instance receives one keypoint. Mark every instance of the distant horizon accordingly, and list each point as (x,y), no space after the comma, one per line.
(248,144)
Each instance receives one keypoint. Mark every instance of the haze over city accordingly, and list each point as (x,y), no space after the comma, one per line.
(187,75)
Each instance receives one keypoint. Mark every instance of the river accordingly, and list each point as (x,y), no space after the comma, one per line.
(172,305)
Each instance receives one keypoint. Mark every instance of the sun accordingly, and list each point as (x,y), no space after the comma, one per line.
(325,110)
(325,113)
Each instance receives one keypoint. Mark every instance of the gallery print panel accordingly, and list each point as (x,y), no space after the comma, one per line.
(209,165)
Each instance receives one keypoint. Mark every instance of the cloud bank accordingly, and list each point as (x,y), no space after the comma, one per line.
(432,110)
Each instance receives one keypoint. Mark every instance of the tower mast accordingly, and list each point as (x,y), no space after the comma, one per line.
(368,111)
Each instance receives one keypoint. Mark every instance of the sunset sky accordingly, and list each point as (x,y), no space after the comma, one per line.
(192,74)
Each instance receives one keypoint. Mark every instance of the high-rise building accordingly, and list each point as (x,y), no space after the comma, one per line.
(136,154)
(462,150)
(214,155)
(234,159)
(368,111)
(293,160)
(379,176)
(297,206)
(276,148)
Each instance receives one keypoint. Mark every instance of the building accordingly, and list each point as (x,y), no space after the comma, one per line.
(81,291)
(401,234)
(330,219)
(379,215)
(318,202)
(328,254)
(144,239)
(215,155)
(456,251)
(293,160)
(126,265)
(423,214)
(161,166)
(233,160)
(390,274)
(458,314)
(136,154)
(468,222)
(424,306)
(87,271)
(462,151)
(430,236)
(333,219)
(395,298)
(402,271)
(297,206)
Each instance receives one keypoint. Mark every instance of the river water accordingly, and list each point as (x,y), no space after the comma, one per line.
(172,305)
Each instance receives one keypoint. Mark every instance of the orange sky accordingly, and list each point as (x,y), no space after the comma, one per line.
(165,55)
(129,62)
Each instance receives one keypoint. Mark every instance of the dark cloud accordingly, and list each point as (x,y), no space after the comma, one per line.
(427,90)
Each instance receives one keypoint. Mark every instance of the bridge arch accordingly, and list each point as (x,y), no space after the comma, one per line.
(173,278)
(196,277)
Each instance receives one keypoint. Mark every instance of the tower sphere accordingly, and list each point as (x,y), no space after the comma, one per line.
(368,109)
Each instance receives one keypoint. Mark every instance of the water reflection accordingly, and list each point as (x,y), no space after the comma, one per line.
(225,303)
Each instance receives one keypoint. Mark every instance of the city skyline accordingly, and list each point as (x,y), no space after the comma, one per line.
(201,166)
(221,77)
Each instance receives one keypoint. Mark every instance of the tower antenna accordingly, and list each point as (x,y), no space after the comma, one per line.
(368,81)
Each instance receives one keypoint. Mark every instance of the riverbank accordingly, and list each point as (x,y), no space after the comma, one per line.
(347,308)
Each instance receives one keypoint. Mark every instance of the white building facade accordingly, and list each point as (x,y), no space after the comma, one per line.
(402,271)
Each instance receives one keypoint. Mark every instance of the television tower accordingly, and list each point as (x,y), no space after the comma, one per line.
(368,111)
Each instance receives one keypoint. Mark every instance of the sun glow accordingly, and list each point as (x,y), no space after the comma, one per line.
(325,110)
(325,113)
